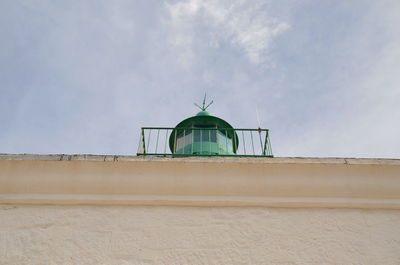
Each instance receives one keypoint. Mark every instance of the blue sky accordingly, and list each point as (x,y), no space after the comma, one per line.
(84,76)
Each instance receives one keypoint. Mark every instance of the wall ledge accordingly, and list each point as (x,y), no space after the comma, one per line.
(200,181)
(125,158)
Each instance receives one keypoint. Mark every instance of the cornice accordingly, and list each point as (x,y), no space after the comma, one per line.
(194,181)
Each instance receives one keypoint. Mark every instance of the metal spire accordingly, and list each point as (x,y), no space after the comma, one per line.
(204,107)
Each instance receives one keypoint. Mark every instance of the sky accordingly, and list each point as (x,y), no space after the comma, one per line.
(83,76)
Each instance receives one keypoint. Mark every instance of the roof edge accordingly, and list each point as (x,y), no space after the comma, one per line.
(272,160)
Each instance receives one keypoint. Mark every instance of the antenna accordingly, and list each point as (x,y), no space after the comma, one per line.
(203,108)
(258,117)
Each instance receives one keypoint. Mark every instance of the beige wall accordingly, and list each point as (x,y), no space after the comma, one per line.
(130,210)
(197,235)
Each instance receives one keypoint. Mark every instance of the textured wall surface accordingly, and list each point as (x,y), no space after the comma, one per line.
(197,235)
(200,181)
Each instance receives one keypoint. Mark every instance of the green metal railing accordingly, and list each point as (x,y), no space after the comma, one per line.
(237,142)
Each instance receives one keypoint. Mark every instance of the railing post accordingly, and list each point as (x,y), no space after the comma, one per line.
(265,142)
(209,142)
(158,134)
(244,143)
(166,140)
(233,141)
(184,140)
(144,142)
(269,145)
(174,148)
(252,142)
(148,140)
(201,141)
(259,134)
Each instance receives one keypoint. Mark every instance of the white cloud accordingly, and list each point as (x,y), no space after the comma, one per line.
(244,25)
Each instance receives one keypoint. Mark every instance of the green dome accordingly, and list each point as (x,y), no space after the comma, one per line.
(219,132)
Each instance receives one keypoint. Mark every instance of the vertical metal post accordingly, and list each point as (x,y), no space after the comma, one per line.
(259,134)
(175,141)
(166,140)
(158,134)
(209,141)
(244,143)
(184,141)
(148,140)
(226,141)
(144,142)
(252,142)
(269,144)
(192,142)
(233,141)
(265,143)
(201,141)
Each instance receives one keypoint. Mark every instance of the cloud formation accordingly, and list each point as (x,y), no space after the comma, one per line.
(83,77)
(244,25)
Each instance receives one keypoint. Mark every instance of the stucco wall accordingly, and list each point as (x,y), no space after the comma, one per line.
(197,235)
(85,209)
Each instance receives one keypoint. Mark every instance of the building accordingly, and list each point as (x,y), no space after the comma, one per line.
(212,208)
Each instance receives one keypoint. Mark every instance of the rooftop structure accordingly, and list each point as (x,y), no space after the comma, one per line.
(204,135)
